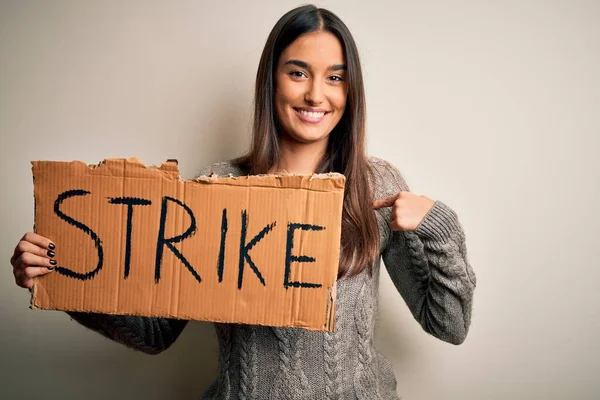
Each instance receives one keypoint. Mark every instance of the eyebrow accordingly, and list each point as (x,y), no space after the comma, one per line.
(302,64)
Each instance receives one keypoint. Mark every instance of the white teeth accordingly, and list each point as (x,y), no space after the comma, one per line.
(312,114)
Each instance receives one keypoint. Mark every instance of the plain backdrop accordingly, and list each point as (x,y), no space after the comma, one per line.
(491,107)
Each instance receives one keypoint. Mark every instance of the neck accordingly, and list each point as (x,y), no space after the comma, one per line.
(300,158)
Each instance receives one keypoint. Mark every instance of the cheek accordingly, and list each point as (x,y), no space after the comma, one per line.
(293,94)
(283,101)
(287,90)
(278,102)
(281,105)
(338,101)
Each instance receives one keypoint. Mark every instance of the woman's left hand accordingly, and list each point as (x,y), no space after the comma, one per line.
(408,209)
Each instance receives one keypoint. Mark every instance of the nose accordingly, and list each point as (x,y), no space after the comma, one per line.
(314,93)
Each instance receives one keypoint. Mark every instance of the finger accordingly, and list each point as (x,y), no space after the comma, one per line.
(21,280)
(39,241)
(32,272)
(35,239)
(388,202)
(25,278)
(28,247)
(28,260)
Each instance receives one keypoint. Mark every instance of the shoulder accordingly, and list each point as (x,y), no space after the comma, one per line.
(223,168)
(386,179)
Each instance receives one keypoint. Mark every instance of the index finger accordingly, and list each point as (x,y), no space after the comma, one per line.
(388,202)
(39,240)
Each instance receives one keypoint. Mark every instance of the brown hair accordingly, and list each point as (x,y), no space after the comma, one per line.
(346,151)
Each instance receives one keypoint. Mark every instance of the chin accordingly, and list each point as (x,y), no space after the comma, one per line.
(308,137)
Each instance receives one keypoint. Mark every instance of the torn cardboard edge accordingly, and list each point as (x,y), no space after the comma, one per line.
(290,277)
(171,166)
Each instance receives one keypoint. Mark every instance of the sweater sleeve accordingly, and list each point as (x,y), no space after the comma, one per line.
(429,266)
(147,334)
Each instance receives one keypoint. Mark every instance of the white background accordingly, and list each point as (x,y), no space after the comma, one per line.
(491,107)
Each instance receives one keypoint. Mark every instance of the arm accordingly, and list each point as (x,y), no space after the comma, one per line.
(150,335)
(430,269)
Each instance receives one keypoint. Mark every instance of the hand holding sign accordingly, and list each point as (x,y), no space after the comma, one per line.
(408,209)
(33,256)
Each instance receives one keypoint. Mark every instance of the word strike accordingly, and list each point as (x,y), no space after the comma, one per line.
(163,243)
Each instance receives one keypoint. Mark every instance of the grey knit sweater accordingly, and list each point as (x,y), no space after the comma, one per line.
(428,266)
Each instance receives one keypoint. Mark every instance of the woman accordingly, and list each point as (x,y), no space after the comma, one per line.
(309,117)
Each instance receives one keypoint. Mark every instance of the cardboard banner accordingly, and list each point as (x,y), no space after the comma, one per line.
(137,240)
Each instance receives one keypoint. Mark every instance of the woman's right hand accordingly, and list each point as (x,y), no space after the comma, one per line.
(33,256)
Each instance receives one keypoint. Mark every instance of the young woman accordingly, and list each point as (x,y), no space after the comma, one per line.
(309,116)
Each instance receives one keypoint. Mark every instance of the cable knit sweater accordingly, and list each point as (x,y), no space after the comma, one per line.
(429,268)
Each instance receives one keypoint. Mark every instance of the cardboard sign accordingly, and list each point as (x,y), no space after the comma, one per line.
(138,240)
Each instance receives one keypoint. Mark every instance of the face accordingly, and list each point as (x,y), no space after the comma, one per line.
(311,89)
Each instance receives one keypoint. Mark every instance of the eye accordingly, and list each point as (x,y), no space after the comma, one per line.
(336,78)
(297,74)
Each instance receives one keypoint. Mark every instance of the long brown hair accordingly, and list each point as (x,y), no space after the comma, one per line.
(346,151)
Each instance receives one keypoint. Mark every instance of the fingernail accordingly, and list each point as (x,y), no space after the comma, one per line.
(53,262)
(51,246)
(50,253)
(50,268)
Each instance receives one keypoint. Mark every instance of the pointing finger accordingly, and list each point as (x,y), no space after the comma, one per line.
(388,202)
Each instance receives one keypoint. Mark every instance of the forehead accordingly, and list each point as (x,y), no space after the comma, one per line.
(316,48)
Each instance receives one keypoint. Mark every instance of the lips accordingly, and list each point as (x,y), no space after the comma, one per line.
(310,116)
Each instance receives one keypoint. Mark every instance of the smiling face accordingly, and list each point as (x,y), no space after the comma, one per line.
(311,88)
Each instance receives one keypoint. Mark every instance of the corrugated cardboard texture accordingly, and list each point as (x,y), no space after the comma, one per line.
(138,240)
